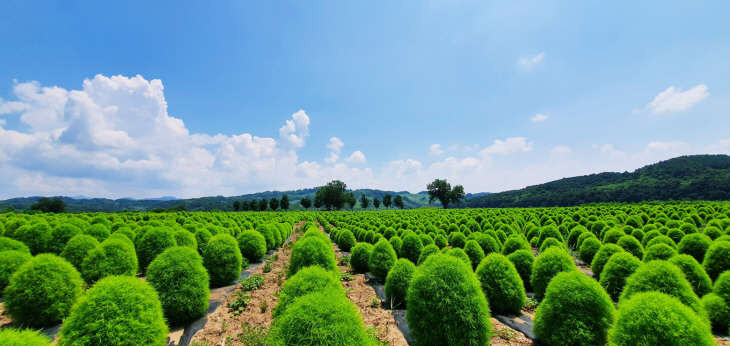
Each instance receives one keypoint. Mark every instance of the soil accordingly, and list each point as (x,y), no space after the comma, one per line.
(506,336)
(4,318)
(722,341)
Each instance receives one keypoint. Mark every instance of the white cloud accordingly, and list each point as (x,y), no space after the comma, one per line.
(539,117)
(530,61)
(560,150)
(674,100)
(356,157)
(12,107)
(508,146)
(436,149)
(723,147)
(662,147)
(608,149)
(335,149)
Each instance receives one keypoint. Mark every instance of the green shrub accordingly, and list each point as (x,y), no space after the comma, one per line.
(602,256)
(153,243)
(613,235)
(426,240)
(445,286)
(457,240)
(10,261)
(118,310)
(223,260)
(112,257)
(202,237)
(695,274)
(583,236)
(346,241)
(573,236)
(638,234)
(98,231)
(126,231)
(649,236)
(396,242)
(264,230)
(675,234)
(185,238)
(60,237)
(722,286)
(441,241)
(360,257)
(37,237)
(550,242)
(306,281)
(717,259)
(182,283)
(548,264)
(588,250)
(78,248)
(320,318)
(712,232)
(523,261)
(312,251)
(252,245)
(460,254)
(398,280)
(411,248)
(382,258)
(662,239)
(718,312)
(427,251)
(512,244)
(654,318)
(576,311)
(278,237)
(549,232)
(618,268)
(12,244)
(389,233)
(16,337)
(695,245)
(41,292)
(631,245)
(659,251)
(502,285)
(475,253)
(661,276)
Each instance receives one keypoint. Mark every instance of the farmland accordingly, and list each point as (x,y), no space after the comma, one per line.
(650,274)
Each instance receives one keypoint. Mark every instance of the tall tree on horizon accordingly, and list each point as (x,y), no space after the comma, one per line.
(441,190)
(399,202)
(387,200)
(364,202)
(284,204)
(274,203)
(306,202)
(376,203)
(236,205)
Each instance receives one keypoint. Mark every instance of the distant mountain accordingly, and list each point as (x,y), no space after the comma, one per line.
(696,177)
(166,198)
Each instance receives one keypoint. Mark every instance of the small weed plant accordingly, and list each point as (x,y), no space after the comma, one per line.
(252,283)
(239,303)
(253,335)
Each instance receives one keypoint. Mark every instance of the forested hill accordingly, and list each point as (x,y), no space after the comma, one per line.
(696,177)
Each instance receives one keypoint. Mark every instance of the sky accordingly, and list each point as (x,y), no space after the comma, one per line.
(188,99)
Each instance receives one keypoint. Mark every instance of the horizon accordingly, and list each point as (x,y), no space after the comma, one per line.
(141,100)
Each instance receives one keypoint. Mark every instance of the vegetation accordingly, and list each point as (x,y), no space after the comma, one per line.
(360,257)
(306,281)
(397,282)
(222,259)
(314,250)
(10,261)
(252,245)
(112,257)
(618,268)
(501,284)
(16,337)
(382,258)
(547,265)
(441,190)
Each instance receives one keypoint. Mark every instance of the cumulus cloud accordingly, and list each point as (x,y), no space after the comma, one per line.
(335,147)
(356,157)
(722,147)
(436,149)
(674,100)
(560,150)
(527,62)
(608,149)
(539,117)
(508,146)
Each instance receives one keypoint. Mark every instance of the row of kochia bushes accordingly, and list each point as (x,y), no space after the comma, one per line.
(83,273)
(657,290)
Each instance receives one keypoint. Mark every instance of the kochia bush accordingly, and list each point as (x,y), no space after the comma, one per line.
(222,259)
(10,261)
(602,256)
(60,237)
(523,261)
(346,240)
(717,311)
(411,248)
(588,249)
(717,259)
(618,268)
(695,274)
(360,257)
(548,264)
(153,243)
(78,248)
(312,251)
(17,337)
(306,281)
(112,257)
(695,245)
(12,244)
(475,253)
(382,258)
(398,280)
(252,245)
(502,285)
(661,251)
(663,277)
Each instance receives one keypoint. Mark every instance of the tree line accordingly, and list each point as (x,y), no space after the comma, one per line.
(262,204)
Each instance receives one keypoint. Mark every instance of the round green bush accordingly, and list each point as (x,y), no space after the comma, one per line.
(550,242)
(185,238)
(649,236)
(583,236)
(382,258)
(475,253)
(202,237)
(12,244)
(513,243)
(98,231)
(523,261)
(426,240)
(112,257)
(695,274)
(613,235)
(695,245)
(445,286)
(78,248)
(602,256)
(638,234)
(278,237)
(427,251)
(576,311)
(654,318)
(396,242)
(346,241)
(398,280)
(588,250)
(441,241)
(60,237)
(411,248)
(153,243)
(549,232)
(722,286)
(675,234)
(631,245)
(320,318)
(717,259)
(36,237)
(502,285)
(306,281)
(269,236)
(389,233)
(16,337)
(661,276)
(460,254)
(41,292)
(712,232)
(252,245)
(488,243)
(573,236)
(128,232)
(223,260)
(659,251)
(312,251)
(717,311)
(118,310)
(360,257)
(457,240)
(182,283)
(10,261)
(547,265)
(662,239)
(618,268)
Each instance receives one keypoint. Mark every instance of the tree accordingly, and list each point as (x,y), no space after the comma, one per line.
(399,202)
(274,203)
(318,203)
(49,205)
(441,190)
(236,205)
(332,195)
(245,206)
(376,203)
(387,200)
(284,204)
(364,202)
(306,202)
(351,201)
(263,203)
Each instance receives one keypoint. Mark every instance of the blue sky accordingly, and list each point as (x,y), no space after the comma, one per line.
(388,95)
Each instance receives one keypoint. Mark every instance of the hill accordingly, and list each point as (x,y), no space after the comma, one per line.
(691,178)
